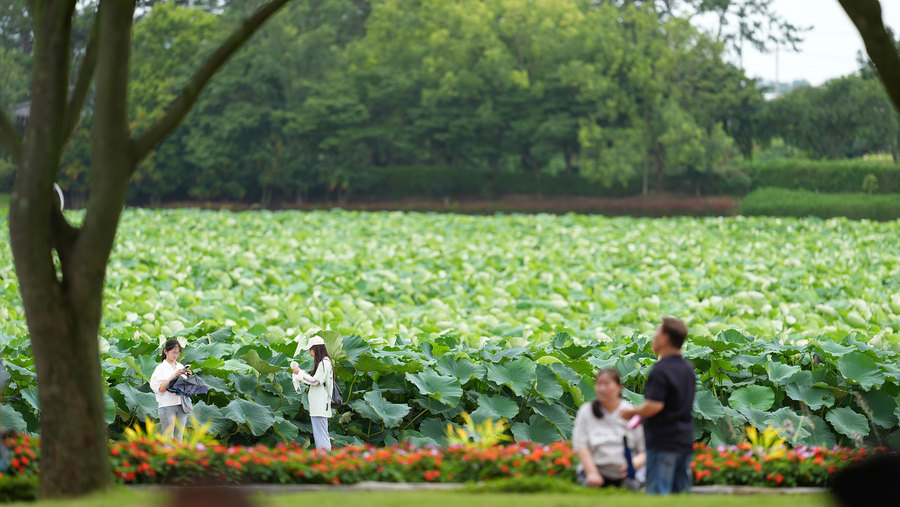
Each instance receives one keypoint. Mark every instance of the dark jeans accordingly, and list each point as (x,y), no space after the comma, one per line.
(668,472)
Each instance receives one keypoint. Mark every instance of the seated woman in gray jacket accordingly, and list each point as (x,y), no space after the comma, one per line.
(600,435)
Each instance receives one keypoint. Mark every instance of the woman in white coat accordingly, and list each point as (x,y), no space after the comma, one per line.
(320,386)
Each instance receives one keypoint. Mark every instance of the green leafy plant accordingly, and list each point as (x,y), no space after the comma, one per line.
(870,184)
(487,433)
(784,337)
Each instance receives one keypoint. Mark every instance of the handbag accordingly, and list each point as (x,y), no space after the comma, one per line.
(337,397)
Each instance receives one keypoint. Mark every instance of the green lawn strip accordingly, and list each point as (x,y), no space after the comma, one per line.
(123,496)
(602,498)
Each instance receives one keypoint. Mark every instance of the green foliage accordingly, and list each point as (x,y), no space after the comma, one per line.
(870,184)
(822,176)
(381,406)
(548,97)
(19,488)
(426,322)
(530,484)
(803,203)
(846,117)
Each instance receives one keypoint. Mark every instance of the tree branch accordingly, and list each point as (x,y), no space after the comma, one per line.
(82,82)
(866,15)
(64,237)
(189,94)
(10,138)
(110,145)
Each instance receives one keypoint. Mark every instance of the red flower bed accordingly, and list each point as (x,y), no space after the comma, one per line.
(743,465)
(144,461)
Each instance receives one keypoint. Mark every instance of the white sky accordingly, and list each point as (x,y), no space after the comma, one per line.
(828,50)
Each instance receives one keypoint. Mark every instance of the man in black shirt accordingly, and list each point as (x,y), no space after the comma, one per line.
(667,412)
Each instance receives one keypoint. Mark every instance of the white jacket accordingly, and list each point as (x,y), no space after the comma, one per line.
(320,392)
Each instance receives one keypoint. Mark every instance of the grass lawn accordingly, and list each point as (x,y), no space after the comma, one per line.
(128,497)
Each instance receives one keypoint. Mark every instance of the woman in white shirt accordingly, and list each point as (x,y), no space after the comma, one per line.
(171,414)
(320,385)
(600,434)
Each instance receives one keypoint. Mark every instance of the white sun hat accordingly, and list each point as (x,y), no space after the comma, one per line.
(315,340)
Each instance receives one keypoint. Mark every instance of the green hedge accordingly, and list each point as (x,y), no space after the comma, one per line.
(427,181)
(802,203)
(16,488)
(821,176)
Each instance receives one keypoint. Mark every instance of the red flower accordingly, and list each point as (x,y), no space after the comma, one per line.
(779,479)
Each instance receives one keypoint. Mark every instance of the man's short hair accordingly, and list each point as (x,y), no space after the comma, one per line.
(675,330)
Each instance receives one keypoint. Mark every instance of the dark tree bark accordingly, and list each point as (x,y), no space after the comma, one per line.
(660,161)
(63,308)
(866,15)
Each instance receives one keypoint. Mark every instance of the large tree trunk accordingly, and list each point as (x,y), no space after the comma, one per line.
(63,308)
(866,15)
(62,314)
(67,359)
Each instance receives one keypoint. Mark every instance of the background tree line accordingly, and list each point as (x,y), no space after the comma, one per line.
(335,97)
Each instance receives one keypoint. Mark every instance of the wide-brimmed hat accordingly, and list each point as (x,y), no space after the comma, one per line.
(315,340)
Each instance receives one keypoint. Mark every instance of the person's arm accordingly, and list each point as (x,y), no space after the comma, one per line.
(308,379)
(594,479)
(159,383)
(655,391)
(581,446)
(639,460)
(322,373)
(647,409)
(638,446)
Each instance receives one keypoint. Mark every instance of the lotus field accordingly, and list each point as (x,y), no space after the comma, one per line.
(794,324)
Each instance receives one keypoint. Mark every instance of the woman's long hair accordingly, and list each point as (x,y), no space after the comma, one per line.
(319,353)
(170,344)
(613,374)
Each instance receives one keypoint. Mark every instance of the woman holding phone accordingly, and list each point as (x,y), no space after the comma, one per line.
(320,387)
(172,417)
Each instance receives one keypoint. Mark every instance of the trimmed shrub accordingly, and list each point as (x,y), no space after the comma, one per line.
(822,176)
(803,203)
(425,181)
(17,488)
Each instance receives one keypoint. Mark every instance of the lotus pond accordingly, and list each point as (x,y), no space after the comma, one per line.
(794,323)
